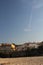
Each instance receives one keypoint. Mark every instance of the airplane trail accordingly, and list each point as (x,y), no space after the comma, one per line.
(29,26)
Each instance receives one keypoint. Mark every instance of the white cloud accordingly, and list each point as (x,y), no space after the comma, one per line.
(27,30)
(23,1)
(38,6)
(37,3)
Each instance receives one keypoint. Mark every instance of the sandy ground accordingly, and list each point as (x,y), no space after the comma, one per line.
(22,61)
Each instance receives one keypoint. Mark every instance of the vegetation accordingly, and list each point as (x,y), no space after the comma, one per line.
(24,50)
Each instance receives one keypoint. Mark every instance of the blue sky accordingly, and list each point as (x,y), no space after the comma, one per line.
(21,21)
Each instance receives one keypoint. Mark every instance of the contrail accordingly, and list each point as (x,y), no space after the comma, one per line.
(36,4)
(30,22)
(29,26)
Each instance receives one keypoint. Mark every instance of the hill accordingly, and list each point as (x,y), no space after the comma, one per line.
(23,50)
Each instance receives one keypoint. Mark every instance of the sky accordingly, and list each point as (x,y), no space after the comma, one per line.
(21,21)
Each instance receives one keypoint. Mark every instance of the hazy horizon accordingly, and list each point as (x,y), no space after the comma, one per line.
(21,21)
